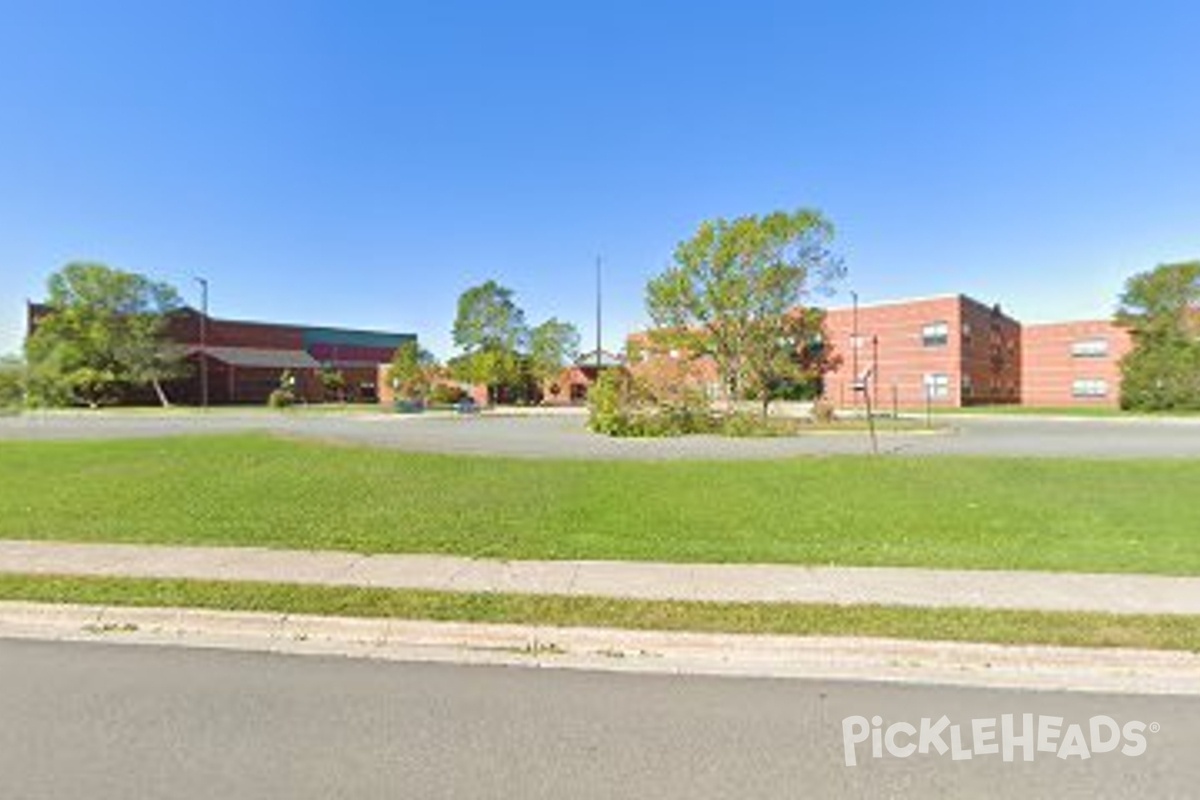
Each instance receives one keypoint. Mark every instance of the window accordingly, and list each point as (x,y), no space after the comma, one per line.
(937,386)
(857,342)
(935,334)
(966,385)
(1090,348)
(1089,387)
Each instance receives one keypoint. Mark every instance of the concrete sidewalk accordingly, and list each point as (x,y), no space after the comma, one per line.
(1115,593)
(1027,667)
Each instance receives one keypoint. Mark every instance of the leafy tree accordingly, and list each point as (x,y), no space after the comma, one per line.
(412,370)
(1161,309)
(490,328)
(12,382)
(789,364)
(733,292)
(333,381)
(489,319)
(552,345)
(104,334)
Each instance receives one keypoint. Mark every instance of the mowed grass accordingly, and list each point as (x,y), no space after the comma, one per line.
(1080,515)
(940,624)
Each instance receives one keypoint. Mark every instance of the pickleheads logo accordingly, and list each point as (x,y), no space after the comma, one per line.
(1027,735)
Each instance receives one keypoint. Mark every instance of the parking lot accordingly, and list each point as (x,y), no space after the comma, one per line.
(564,435)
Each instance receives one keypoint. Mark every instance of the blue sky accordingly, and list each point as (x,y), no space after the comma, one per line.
(362,163)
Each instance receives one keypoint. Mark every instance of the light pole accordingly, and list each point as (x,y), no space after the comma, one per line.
(203,341)
(598,318)
(854,346)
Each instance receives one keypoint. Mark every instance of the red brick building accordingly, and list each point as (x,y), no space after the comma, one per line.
(1073,363)
(244,360)
(949,351)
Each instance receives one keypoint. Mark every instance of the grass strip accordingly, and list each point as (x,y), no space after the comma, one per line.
(1138,516)
(1150,631)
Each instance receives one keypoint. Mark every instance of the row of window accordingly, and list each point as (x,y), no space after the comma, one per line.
(937,386)
(937,334)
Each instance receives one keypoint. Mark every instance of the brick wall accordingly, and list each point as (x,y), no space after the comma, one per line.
(890,339)
(1073,363)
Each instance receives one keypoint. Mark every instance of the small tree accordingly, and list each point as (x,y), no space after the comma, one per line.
(12,382)
(333,382)
(412,370)
(1161,309)
(552,345)
(490,329)
(104,333)
(733,292)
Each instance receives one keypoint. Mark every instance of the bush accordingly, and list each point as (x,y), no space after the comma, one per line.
(12,387)
(823,412)
(444,394)
(281,398)
(621,406)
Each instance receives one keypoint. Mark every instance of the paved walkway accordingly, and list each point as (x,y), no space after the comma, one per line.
(1122,594)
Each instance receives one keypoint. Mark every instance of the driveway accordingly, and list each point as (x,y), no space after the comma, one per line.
(565,435)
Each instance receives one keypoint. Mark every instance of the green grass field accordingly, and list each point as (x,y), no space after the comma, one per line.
(1127,516)
(1102,412)
(944,624)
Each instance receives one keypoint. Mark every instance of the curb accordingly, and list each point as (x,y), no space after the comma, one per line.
(1109,670)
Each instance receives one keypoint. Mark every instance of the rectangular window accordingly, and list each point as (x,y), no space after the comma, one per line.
(935,334)
(937,386)
(1089,348)
(1089,387)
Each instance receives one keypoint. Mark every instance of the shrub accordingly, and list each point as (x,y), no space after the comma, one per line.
(445,394)
(823,412)
(12,387)
(281,398)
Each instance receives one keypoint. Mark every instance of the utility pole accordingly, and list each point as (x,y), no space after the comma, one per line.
(598,316)
(203,341)
(854,343)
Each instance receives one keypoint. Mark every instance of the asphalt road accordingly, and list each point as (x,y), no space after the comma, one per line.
(112,721)
(565,436)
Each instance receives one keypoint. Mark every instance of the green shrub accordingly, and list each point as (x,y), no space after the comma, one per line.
(281,398)
(444,394)
(12,387)
(607,402)
(823,412)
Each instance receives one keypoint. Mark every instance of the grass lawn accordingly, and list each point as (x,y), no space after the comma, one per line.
(952,624)
(1121,516)
(1104,412)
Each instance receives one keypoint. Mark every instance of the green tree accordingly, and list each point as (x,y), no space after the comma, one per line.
(412,371)
(552,345)
(734,292)
(790,364)
(12,382)
(103,335)
(490,329)
(333,382)
(1161,309)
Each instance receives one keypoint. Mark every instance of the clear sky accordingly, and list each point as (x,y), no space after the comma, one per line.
(360,164)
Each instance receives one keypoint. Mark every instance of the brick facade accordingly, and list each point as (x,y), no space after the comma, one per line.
(244,360)
(950,351)
(1073,363)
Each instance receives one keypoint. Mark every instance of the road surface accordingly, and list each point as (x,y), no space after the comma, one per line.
(124,721)
(565,435)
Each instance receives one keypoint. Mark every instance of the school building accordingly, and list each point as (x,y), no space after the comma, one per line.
(243,360)
(956,351)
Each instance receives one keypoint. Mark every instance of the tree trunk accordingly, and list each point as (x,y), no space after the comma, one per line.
(162,396)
